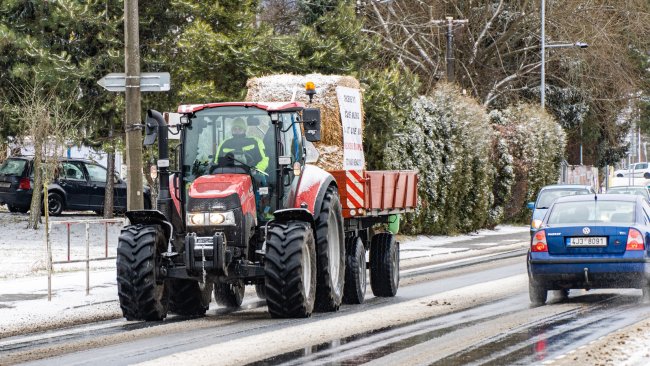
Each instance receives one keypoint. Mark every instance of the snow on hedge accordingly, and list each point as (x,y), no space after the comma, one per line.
(537,142)
(476,169)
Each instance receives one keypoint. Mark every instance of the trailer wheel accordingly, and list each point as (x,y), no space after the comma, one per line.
(384,265)
(354,290)
(186,297)
(290,270)
(229,294)
(142,294)
(330,252)
(260,290)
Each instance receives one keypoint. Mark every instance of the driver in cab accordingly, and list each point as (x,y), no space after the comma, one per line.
(247,150)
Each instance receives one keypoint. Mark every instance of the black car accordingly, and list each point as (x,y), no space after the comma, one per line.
(79,185)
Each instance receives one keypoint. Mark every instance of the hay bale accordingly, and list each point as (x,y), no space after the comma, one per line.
(280,88)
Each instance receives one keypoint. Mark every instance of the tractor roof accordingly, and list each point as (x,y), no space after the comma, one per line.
(267,106)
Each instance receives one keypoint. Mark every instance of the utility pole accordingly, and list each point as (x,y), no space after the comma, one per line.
(449,54)
(132,125)
(542,86)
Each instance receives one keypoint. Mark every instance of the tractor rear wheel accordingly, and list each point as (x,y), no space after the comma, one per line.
(384,265)
(142,294)
(187,298)
(290,269)
(354,291)
(229,294)
(330,252)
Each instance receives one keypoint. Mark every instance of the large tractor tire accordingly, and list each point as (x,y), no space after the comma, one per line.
(354,290)
(142,295)
(187,298)
(330,253)
(384,265)
(290,270)
(230,295)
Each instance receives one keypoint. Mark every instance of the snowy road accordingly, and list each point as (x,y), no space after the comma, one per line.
(462,300)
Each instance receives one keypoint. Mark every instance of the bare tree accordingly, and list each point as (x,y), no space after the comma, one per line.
(48,122)
(498,51)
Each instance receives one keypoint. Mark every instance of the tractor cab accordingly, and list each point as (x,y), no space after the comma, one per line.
(240,148)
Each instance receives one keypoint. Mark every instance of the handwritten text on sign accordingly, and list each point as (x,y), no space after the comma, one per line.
(350,107)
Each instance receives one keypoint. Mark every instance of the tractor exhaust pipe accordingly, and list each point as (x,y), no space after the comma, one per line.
(164,201)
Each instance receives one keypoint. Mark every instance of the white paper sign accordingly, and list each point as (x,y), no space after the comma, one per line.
(350,107)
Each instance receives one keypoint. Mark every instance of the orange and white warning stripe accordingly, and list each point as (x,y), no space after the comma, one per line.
(354,187)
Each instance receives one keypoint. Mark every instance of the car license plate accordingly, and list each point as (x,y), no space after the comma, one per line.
(588,241)
(5,184)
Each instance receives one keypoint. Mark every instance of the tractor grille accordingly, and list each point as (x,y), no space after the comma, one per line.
(213,204)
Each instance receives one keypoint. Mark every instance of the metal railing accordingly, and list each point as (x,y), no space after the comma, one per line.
(87,258)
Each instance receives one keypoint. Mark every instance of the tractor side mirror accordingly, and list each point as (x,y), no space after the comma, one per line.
(311,121)
(150,130)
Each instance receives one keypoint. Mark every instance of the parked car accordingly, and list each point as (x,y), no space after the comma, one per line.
(638,190)
(590,242)
(79,185)
(550,193)
(639,170)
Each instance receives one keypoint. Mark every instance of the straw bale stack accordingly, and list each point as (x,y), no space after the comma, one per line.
(281,88)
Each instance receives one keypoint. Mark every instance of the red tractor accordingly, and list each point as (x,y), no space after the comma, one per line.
(222,223)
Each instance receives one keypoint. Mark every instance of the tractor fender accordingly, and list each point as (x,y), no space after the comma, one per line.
(291,214)
(150,217)
(311,189)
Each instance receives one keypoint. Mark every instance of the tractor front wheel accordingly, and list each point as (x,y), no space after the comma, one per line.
(290,269)
(142,294)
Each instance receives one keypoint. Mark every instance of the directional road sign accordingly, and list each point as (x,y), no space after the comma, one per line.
(149,82)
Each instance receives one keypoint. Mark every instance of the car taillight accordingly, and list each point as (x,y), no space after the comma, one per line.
(634,240)
(24,184)
(539,242)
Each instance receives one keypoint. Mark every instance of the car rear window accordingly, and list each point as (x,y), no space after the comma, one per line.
(638,191)
(547,196)
(617,212)
(13,167)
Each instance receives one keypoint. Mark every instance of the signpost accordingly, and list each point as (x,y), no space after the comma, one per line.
(149,82)
(132,85)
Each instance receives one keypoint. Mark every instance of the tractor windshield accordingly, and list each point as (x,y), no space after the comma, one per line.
(206,139)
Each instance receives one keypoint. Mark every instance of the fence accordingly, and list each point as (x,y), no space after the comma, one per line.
(87,258)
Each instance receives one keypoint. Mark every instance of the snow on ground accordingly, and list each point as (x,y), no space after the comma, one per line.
(24,283)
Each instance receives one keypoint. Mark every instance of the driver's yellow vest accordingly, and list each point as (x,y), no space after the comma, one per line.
(251,147)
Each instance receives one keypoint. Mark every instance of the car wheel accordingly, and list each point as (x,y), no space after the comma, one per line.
(536,293)
(55,204)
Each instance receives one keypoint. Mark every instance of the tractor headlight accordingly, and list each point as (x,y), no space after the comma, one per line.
(222,218)
(196,218)
(212,218)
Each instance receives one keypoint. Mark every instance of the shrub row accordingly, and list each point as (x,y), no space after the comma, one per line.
(476,169)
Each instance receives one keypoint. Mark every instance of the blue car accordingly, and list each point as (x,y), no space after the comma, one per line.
(547,195)
(591,242)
